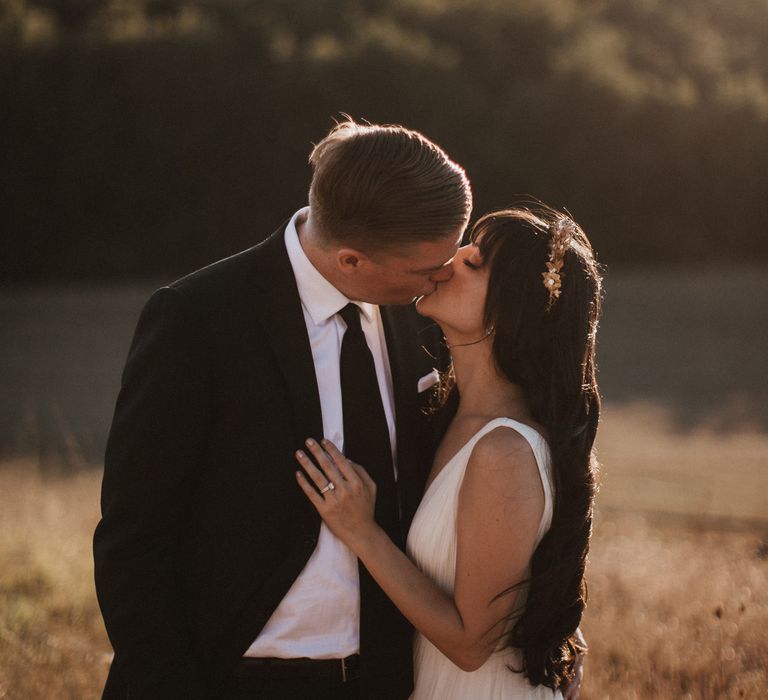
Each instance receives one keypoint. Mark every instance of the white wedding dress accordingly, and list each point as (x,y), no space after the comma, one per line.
(432,546)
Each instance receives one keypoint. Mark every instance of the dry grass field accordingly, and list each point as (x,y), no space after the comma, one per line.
(52,641)
(678,601)
(679,563)
(676,612)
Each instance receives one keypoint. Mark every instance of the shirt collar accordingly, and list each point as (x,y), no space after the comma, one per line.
(318,296)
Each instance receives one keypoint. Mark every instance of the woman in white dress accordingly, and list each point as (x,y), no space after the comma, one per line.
(494,577)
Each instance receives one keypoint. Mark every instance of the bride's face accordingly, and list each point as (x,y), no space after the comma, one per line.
(458,304)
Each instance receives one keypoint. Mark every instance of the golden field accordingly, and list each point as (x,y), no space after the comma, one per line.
(678,600)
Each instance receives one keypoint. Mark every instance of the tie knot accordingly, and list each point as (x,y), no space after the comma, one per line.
(351,315)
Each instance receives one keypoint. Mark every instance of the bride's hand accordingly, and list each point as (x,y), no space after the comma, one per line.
(345,496)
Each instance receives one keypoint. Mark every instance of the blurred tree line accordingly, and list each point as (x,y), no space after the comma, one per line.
(153,136)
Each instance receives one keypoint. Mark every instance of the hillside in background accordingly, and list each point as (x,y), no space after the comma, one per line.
(144,137)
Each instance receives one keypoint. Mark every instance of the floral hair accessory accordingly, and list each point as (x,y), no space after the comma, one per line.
(558,244)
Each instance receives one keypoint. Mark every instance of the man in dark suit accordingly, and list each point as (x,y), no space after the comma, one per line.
(214,575)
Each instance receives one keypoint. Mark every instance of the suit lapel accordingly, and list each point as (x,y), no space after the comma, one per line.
(402,367)
(408,336)
(408,363)
(282,319)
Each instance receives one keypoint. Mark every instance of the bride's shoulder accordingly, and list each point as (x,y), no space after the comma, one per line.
(502,483)
(503,460)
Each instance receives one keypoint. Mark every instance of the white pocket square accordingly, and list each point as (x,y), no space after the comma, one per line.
(428,380)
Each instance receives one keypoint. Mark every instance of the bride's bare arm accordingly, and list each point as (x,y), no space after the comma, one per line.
(500,506)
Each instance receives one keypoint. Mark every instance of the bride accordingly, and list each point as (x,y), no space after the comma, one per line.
(494,577)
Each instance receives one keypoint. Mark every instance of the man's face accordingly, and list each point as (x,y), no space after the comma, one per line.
(401,276)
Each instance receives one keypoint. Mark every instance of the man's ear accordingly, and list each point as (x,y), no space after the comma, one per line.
(350,260)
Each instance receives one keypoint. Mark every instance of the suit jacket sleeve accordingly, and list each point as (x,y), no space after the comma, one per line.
(153,452)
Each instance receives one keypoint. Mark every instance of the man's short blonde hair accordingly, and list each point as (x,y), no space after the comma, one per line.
(381,186)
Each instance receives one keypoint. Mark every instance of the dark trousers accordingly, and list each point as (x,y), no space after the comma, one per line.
(293,689)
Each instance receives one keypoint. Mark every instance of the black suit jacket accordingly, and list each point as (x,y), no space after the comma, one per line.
(203,527)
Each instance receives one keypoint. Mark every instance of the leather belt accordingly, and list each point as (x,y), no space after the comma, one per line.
(343,670)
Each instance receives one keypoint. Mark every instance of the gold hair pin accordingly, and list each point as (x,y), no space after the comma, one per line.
(558,244)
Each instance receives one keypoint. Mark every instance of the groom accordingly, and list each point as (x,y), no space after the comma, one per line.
(213,572)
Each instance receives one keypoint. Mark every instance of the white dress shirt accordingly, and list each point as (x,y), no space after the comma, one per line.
(319,617)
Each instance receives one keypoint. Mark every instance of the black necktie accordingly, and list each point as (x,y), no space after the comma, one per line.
(384,634)
(366,435)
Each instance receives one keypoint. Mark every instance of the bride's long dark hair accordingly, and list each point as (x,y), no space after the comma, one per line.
(549,350)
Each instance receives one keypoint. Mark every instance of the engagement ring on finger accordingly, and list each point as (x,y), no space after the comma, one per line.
(328,487)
